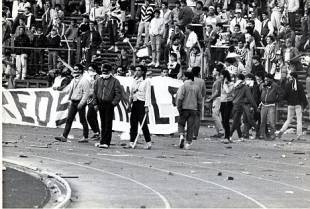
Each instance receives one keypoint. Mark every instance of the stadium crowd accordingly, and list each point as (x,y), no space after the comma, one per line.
(250,48)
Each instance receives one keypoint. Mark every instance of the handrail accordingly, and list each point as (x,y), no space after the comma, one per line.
(69,48)
(38,48)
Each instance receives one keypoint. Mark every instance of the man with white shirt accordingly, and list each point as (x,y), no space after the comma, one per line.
(238,20)
(166,13)
(292,7)
(267,27)
(98,14)
(191,41)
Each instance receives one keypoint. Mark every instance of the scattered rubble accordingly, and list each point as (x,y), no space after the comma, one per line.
(219,173)
(230,178)
(170,173)
(23,156)
(289,192)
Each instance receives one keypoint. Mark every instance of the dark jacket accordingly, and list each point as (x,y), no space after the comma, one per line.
(94,43)
(293,97)
(21,41)
(53,42)
(242,95)
(39,40)
(107,90)
(271,95)
(186,15)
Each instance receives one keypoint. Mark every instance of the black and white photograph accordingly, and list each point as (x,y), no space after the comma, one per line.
(155,104)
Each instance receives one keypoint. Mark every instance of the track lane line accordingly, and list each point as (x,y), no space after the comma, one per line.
(164,200)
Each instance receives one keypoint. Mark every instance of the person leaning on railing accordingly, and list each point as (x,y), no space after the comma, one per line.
(53,41)
(20,41)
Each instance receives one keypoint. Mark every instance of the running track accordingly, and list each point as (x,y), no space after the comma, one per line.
(265,174)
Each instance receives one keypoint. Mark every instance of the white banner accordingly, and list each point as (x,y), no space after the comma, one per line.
(48,108)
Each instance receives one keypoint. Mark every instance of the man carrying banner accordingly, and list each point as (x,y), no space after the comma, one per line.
(78,94)
(107,94)
(189,103)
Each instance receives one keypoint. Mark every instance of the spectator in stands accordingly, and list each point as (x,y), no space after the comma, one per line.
(61,4)
(236,36)
(37,8)
(276,6)
(114,21)
(164,72)
(221,14)
(84,26)
(76,7)
(267,27)
(192,39)
(238,20)
(175,12)
(269,53)
(194,58)
(29,18)
(270,96)
(139,103)
(21,22)
(9,70)
(296,99)
(123,59)
(98,14)
(251,29)
(71,32)
(289,52)
(174,67)
(175,43)
(189,103)
(211,36)
(166,13)
(56,13)
(279,69)
(78,95)
(145,15)
(91,40)
(226,101)
(287,33)
(186,15)
(120,71)
(215,99)
(46,17)
(53,41)
(210,18)
(59,26)
(292,8)
(198,13)
(156,30)
(6,30)
(241,50)
(242,101)
(39,41)
(22,40)
(257,67)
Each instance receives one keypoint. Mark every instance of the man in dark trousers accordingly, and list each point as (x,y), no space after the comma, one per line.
(91,41)
(242,97)
(22,40)
(40,41)
(107,94)
(78,95)
(189,103)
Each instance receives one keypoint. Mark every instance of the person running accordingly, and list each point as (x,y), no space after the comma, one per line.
(78,95)
(189,103)
(107,94)
(297,102)
(139,103)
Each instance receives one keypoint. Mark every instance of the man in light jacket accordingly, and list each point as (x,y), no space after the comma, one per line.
(189,102)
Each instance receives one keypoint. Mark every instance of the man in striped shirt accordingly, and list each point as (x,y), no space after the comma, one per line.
(145,15)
